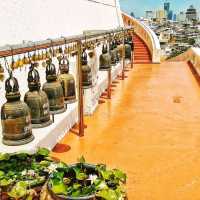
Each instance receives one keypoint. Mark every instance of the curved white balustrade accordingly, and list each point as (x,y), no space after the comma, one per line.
(192,55)
(146,34)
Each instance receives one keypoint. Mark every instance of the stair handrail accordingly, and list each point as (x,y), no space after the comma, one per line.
(147,35)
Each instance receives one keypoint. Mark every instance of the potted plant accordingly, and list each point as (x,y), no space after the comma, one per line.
(84,181)
(22,175)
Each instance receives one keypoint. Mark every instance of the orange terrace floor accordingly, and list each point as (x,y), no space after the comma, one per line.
(151,130)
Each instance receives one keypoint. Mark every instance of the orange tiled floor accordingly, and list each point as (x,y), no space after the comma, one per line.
(151,130)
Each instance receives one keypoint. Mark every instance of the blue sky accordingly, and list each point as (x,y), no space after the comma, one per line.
(140,6)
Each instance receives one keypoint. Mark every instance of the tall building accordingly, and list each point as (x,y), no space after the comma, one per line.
(160,15)
(181,17)
(174,17)
(166,7)
(191,13)
(149,14)
(170,15)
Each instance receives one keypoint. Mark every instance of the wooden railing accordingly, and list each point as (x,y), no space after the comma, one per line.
(146,34)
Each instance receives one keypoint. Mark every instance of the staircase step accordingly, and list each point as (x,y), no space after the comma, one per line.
(141,51)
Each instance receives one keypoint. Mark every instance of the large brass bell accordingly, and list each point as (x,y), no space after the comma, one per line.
(67,81)
(104,59)
(117,58)
(128,49)
(15,116)
(86,72)
(1,72)
(120,48)
(37,100)
(130,41)
(113,54)
(53,89)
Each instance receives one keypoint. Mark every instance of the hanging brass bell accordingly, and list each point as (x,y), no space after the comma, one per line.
(117,55)
(15,116)
(43,55)
(48,54)
(60,50)
(120,48)
(113,54)
(37,100)
(26,60)
(1,72)
(128,50)
(40,56)
(14,65)
(130,41)
(105,59)
(53,89)
(86,72)
(67,81)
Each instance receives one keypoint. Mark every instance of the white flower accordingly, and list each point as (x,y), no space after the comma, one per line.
(92,178)
(51,168)
(24,172)
(31,172)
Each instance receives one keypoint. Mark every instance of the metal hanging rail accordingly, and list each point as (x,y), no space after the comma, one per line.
(10,50)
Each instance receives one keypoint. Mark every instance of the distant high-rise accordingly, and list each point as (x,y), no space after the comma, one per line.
(168,12)
(170,15)
(132,14)
(191,13)
(181,17)
(166,7)
(160,15)
(174,17)
(149,14)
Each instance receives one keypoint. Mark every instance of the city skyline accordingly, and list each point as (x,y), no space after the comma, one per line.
(139,7)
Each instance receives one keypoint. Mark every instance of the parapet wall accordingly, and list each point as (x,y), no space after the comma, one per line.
(192,55)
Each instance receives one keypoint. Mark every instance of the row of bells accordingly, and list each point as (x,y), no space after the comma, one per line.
(18,117)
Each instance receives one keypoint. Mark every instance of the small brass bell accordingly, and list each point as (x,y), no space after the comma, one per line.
(60,50)
(37,100)
(26,60)
(40,57)
(15,116)
(54,90)
(48,54)
(14,65)
(43,55)
(1,69)
(67,80)
(104,59)
(86,72)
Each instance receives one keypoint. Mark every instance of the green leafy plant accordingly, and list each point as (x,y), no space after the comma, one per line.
(83,180)
(20,173)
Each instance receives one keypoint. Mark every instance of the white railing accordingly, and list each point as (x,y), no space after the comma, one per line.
(146,34)
(192,55)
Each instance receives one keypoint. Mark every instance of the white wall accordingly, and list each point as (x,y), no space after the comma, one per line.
(41,19)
